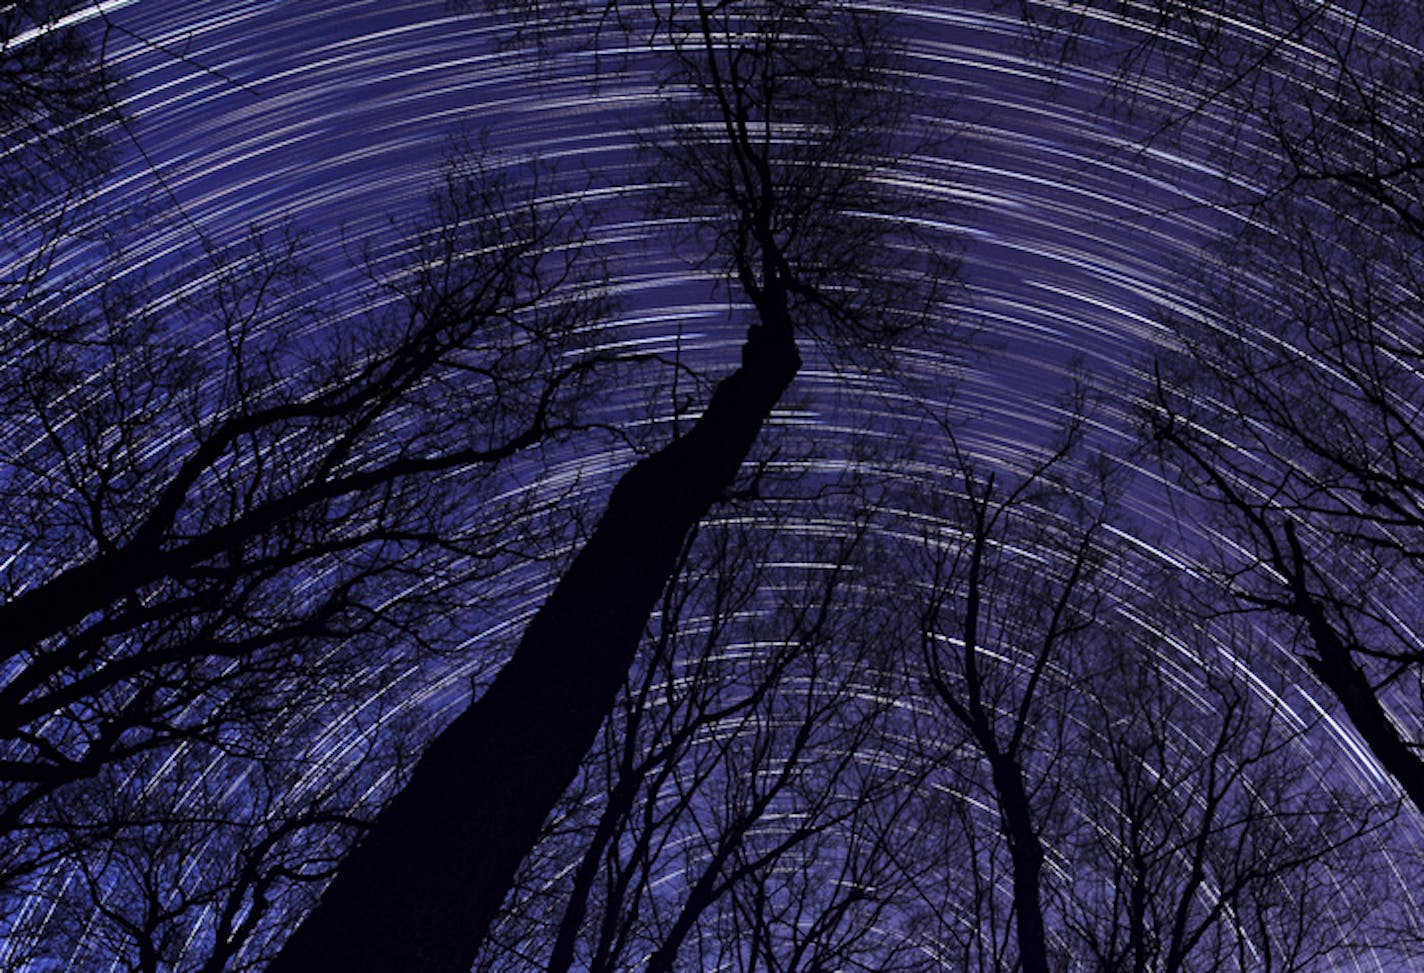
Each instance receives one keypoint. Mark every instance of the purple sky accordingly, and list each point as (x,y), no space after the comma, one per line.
(334,117)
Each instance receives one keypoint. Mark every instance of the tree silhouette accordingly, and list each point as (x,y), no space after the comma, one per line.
(204,537)
(1291,403)
(1208,848)
(1120,792)
(729,814)
(777,89)
(1006,613)
(1294,408)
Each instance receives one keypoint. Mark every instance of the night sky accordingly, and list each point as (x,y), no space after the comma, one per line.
(1074,217)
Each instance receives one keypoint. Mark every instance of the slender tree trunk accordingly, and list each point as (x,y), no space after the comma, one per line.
(1334,665)
(1336,669)
(620,800)
(419,892)
(1026,854)
(1137,909)
(700,898)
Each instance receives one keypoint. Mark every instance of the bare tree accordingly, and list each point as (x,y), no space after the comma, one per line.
(186,871)
(1204,845)
(1118,790)
(1294,408)
(200,529)
(1008,606)
(732,814)
(1291,405)
(776,85)
(206,538)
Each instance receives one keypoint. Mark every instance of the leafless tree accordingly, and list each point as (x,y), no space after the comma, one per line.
(193,860)
(1291,403)
(1116,788)
(734,813)
(776,87)
(1204,846)
(1294,407)
(1009,604)
(207,537)
(200,529)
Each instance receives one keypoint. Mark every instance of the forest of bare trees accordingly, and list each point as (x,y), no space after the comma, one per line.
(913,703)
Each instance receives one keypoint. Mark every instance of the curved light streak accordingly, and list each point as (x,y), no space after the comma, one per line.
(332,116)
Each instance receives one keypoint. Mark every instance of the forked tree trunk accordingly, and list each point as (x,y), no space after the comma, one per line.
(417,895)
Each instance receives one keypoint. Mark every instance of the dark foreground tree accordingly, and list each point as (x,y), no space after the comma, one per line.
(200,534)
(1010,604)
(793,111)
(737,759)
(207,538)
(1295,407)
(1116,778)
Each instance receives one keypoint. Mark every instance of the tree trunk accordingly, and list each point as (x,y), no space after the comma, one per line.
(1334,665)
(620,801)
(418,894)
(1336,669)
(1026,854)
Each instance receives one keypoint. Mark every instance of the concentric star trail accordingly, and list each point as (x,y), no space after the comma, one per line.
(331,121)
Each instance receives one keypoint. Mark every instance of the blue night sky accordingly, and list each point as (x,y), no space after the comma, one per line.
(1079,222)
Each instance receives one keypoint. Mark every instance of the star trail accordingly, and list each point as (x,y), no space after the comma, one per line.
(1089,213)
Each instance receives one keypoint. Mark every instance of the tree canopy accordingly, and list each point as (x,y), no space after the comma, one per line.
(872,491)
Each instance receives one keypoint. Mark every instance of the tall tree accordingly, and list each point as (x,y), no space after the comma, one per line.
(1294,406)
(1008,606)
(1120,791)
(793,112)
(203,536)
(745,804)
